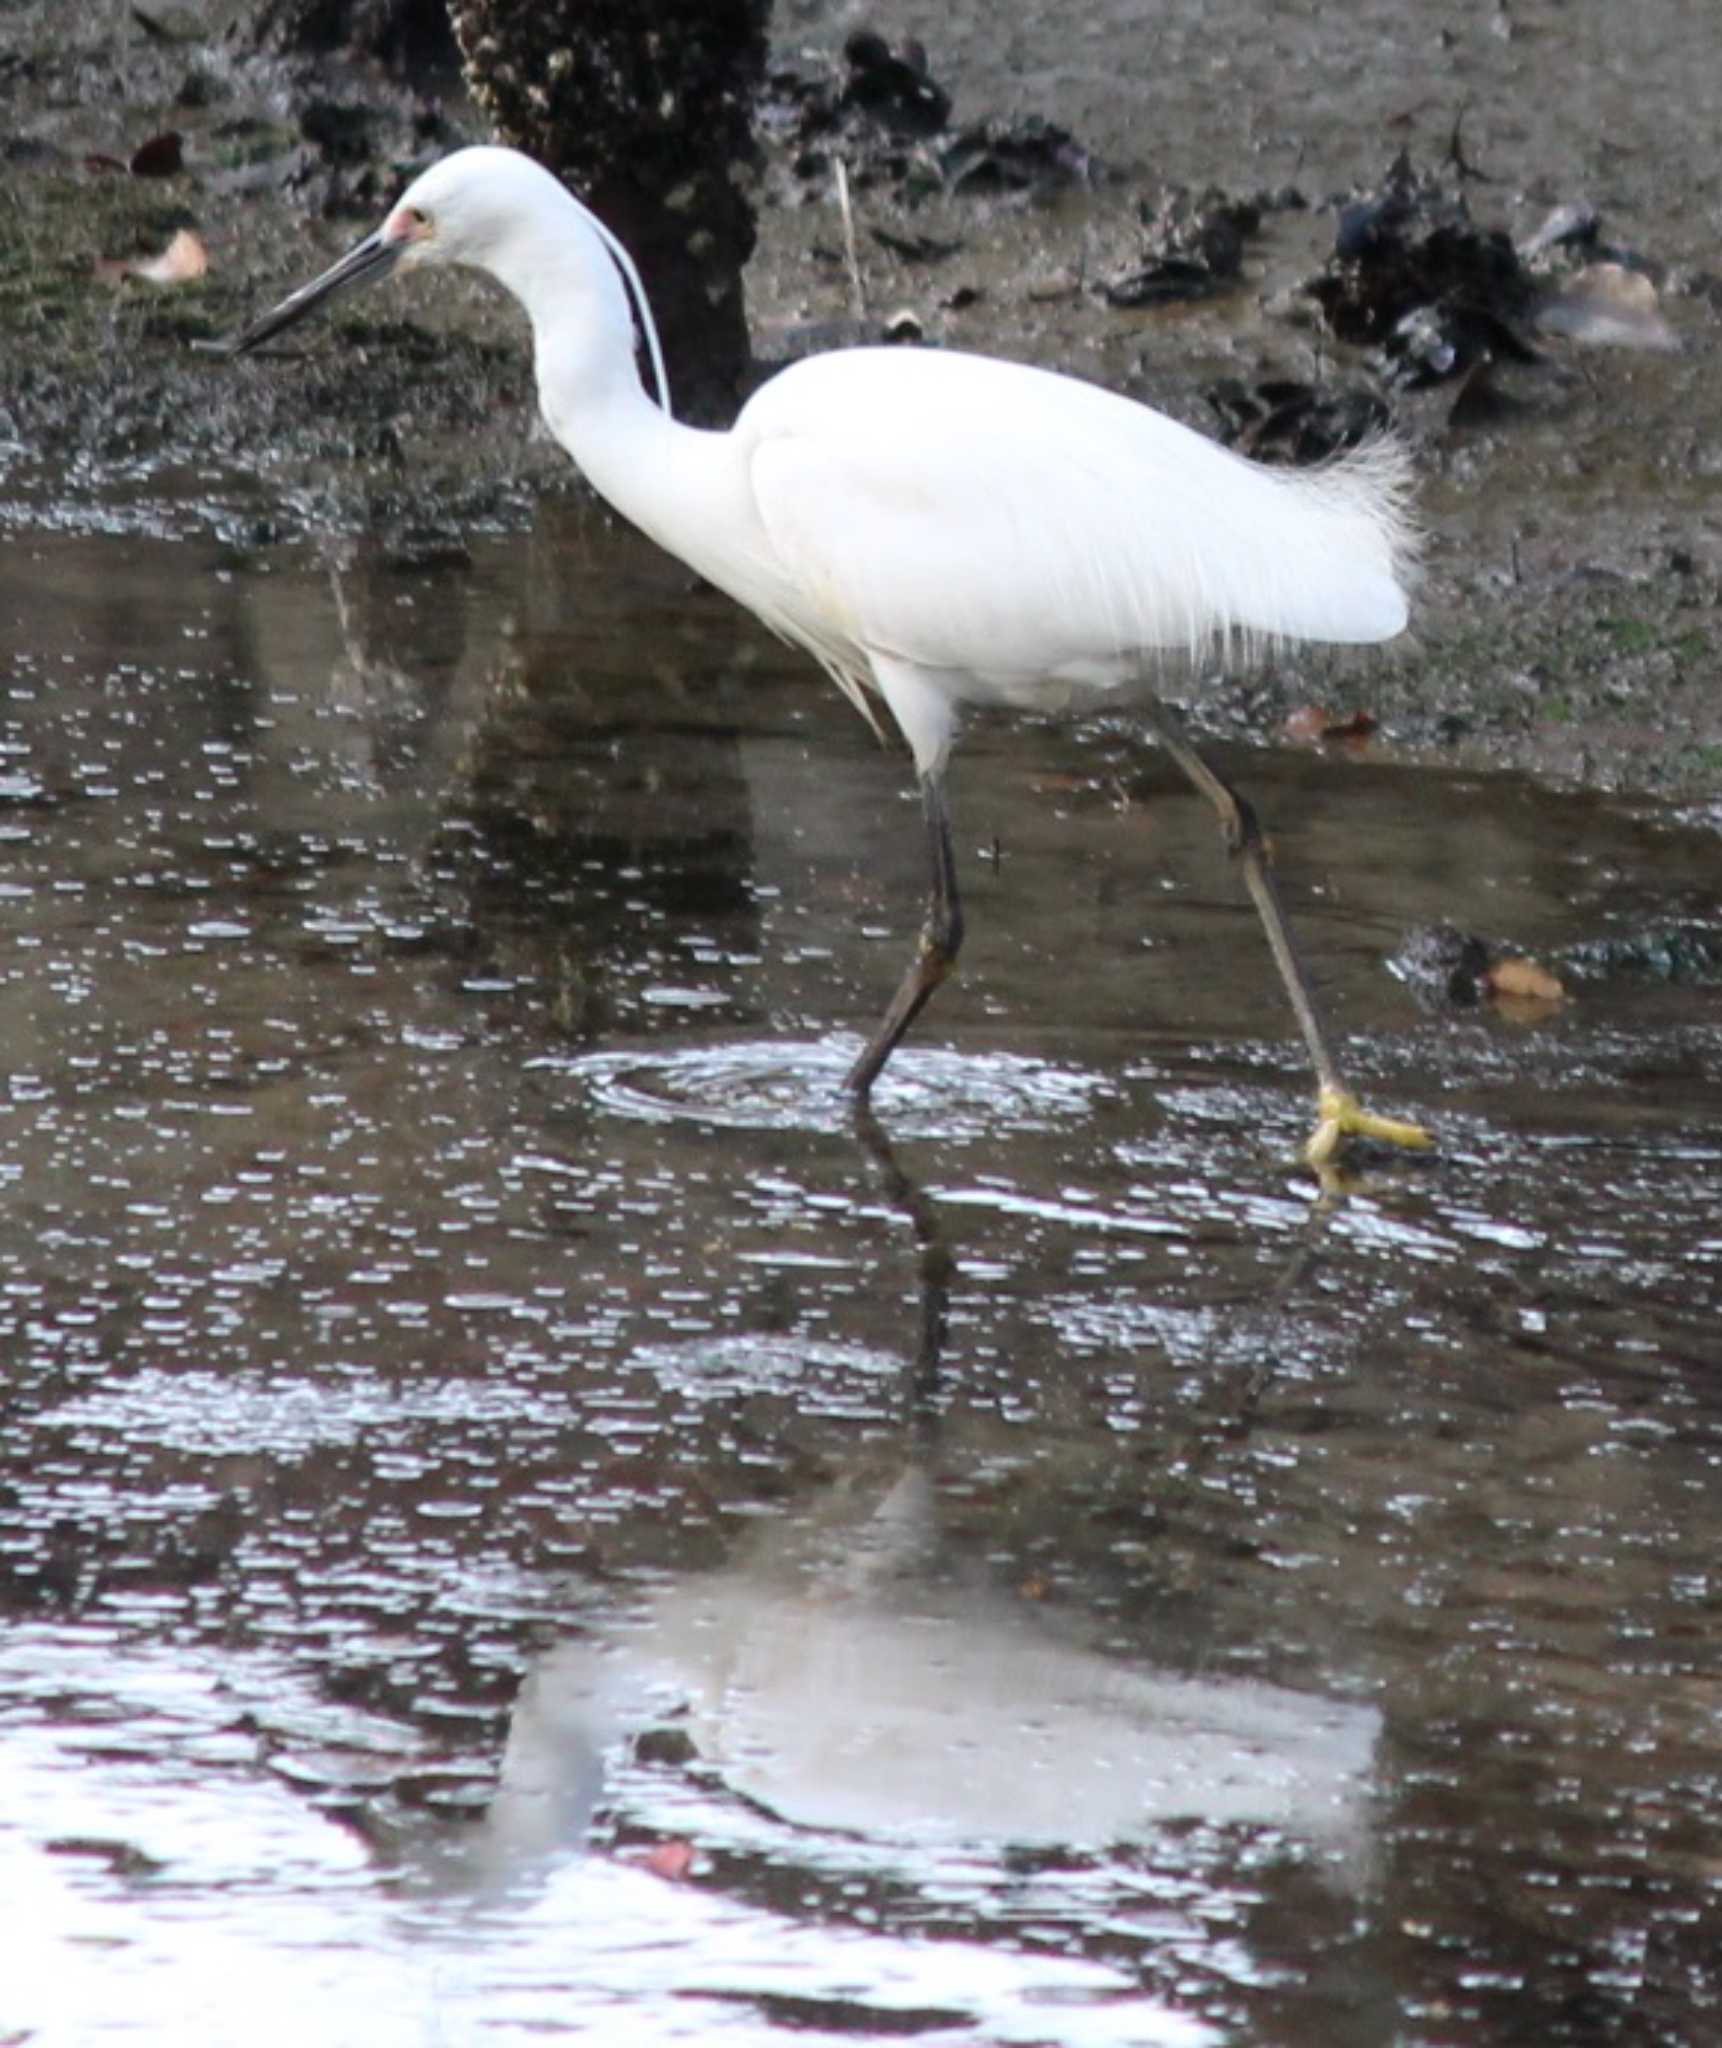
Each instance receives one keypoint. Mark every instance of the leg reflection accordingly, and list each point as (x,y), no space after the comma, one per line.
(934,1264)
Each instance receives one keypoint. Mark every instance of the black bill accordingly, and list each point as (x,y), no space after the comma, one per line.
(372,258)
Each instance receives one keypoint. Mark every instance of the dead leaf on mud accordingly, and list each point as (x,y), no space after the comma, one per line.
(1609,306)
(185,259)
(1312,725)
(1523,984)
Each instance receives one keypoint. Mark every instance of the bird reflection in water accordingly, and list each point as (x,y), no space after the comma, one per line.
(843,1676)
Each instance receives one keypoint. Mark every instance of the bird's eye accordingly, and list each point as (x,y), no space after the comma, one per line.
(418,219)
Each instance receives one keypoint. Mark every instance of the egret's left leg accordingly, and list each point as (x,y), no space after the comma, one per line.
(941,939)
(1339,1114)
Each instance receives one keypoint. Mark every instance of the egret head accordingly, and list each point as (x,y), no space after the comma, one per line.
(464,209)
(494,210)
(468,207)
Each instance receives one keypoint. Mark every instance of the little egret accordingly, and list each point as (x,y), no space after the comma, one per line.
(935,529)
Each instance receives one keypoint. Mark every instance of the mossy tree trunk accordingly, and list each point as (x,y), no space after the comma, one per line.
(645,107)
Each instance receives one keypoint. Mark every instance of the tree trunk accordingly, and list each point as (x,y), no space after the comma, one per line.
(645,106)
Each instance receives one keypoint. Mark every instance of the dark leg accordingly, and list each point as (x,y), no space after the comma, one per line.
(1338,1113)
(941,938)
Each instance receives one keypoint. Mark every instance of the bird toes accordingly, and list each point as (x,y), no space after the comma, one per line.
(1339,1116)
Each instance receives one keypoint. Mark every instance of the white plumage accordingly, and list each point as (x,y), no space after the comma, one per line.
(937,529)
(1015,536)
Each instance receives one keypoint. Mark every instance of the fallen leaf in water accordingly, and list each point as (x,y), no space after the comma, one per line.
(1522,981)
(671,1861)
(184,258)
(160,157)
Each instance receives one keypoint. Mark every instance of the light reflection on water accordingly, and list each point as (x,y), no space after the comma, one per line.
(856,1696)
(410,1312)
(237,1910)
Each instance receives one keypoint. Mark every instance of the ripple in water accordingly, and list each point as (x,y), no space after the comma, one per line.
(842,1380)
(785,1085)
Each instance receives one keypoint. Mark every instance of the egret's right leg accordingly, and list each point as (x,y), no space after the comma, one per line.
(941,939)
(1339,1114)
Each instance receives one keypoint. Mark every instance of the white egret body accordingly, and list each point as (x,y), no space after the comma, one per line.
(934,528)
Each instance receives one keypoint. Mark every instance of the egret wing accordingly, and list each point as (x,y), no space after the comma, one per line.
(969,515)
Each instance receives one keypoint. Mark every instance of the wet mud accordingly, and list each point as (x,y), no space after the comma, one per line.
(521,1517)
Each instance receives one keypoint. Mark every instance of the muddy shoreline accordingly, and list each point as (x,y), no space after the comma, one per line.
(1570,610)
(449,1290)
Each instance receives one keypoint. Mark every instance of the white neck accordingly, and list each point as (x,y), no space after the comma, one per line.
(589,387)
(656,472)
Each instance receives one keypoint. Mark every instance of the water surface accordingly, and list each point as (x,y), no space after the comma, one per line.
(520,1518)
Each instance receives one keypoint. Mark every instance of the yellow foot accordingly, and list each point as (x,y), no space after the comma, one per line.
(1339,1115)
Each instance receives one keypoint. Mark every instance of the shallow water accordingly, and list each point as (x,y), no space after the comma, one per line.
(520,1517)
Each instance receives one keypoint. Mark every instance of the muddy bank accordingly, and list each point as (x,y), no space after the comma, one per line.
(1569,617)
(443,1267)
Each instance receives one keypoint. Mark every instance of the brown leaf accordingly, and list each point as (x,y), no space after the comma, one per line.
(1523,981)
(669,1860)
(184,258)
(160,157)
(1311,724)
(1306,724)
(1611,306)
